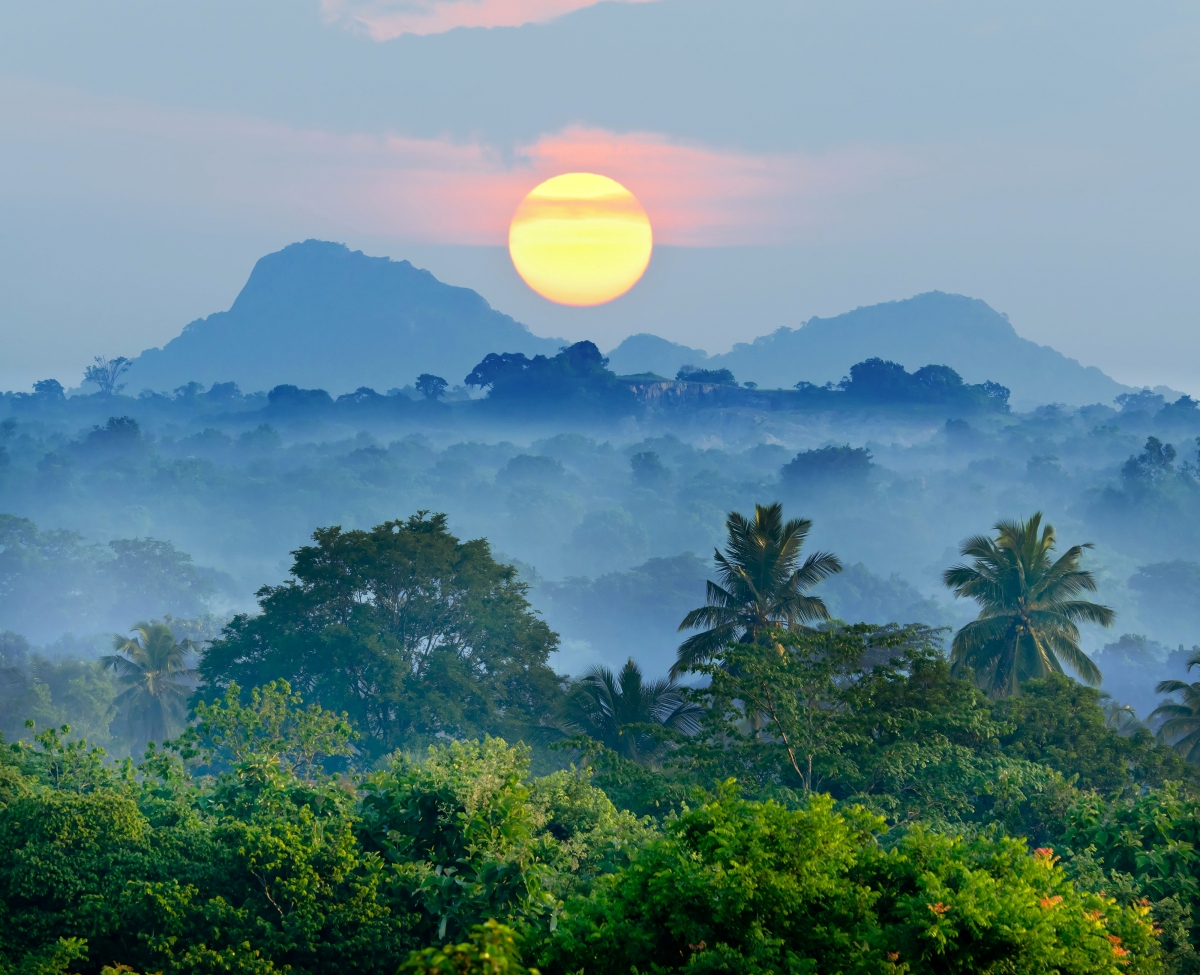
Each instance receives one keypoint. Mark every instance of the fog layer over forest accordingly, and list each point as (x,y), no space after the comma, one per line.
(608,493)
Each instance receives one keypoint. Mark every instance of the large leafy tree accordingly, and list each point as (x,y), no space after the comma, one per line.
(763,584)
(1029,608)
(405,628)
(152,667)
(622,710)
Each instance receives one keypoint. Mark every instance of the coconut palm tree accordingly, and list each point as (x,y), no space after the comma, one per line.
(763,585)
(1121,718)
(1028,608)
(1180,726)
(152,666)
(620,710)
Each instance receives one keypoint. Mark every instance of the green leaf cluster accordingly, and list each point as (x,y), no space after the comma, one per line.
(272,865)
(409,631)
(739,886)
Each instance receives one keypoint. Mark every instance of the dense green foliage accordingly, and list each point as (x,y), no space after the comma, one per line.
(747,887)
(461,863)
(410,631)
(829,798)
(272,864)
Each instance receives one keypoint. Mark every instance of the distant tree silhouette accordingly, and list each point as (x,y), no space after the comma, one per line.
(105,374)
(49,389)
(577,378)
(828,465)
(648,469)
(430,386)
(719,377)
(1153,464)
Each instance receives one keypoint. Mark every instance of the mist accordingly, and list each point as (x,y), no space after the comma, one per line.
(608,494)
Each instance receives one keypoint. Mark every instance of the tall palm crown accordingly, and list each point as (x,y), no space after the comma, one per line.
(1028,608)
(1181,721)
(763,584)
(616,709)
(152,666)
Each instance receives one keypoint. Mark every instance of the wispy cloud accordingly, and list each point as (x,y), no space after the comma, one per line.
(233,168)
(387,19)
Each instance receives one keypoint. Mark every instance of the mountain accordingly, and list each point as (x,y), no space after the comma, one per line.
(317,314)
(935,328)
(649,353)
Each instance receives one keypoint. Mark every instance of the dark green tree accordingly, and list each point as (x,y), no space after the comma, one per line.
(763,584)
(1028,608)
(405,628)
(1063,724)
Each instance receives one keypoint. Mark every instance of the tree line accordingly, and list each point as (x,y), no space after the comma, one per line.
(818,796)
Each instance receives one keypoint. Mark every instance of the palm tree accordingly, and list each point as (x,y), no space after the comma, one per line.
(1181,722)
(1027,622)
(1121,718)
(153,668)
(762,585)
(620,710)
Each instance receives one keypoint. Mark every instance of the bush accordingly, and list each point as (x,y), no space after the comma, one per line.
(744,887)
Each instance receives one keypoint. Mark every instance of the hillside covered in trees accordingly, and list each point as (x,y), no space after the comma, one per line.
(379,770)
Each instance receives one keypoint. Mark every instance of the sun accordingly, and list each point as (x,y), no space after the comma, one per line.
(580,239)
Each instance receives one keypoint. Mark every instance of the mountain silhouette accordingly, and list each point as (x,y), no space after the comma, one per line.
(934,328)
(317,314)
(649,353)
(930,329)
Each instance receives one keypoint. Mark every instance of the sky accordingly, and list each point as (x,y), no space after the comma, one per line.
(795,159)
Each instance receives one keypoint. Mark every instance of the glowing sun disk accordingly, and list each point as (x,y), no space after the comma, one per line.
(580,239)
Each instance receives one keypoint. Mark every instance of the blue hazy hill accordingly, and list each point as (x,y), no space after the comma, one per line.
(649,353)
(934,328)
(317,314)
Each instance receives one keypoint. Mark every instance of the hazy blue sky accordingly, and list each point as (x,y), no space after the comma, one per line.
(795,158)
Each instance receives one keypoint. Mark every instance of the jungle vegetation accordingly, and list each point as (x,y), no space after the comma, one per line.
(380,772)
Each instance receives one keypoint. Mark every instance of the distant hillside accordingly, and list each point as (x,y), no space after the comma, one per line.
(934,328)
(649,353)
(317,314)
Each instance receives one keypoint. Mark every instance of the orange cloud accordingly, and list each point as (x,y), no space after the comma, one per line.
(387,19)
(695,195)
(248,170)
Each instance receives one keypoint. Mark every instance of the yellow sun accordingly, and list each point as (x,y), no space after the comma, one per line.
(580,239)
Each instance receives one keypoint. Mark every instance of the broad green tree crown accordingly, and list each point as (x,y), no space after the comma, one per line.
(405,628)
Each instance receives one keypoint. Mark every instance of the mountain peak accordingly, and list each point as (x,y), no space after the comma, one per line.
(964,333)
(319,314)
